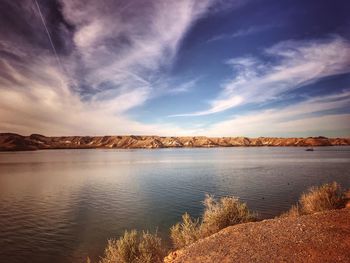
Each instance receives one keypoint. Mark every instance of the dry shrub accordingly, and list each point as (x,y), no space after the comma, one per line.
(294,211)
(325,197)
(134,248)
(218,214)
(318,199)
(150,248)
(226,211)
(185,233)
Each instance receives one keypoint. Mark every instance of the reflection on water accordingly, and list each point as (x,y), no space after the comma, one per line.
(61,206)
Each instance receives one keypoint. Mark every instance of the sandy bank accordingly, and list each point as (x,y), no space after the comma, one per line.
(321,237)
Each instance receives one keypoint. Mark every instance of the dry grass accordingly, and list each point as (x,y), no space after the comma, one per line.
(185,233)
(134,248)
(150,248)
(218,214)
(294,211)
(325,197)
(226,211)
(318,199)
(144,247)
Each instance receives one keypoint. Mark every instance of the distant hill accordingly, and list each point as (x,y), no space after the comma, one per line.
(16,142)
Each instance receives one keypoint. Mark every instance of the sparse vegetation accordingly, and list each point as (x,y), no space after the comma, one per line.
(318,199)
(134,247)
(185,233)
(294,211)
(218,214)
(325,197)
(144,247)
(226,211)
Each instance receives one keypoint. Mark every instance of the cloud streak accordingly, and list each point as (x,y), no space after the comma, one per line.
(131,50)
(306,118)
(243,32)
(293,64)
(114,54)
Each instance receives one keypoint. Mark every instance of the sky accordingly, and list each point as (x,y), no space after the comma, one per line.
(175,68)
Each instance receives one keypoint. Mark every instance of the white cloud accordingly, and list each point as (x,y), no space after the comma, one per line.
(293,65)
(216,106)
(137,39)
(121,54)
(243,32)
(173,89)
(121,44)
(128,47)
(312,116)
(56,110)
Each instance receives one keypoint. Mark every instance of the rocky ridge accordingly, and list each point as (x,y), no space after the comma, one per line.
(16,142)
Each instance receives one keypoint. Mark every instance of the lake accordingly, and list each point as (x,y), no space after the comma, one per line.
(63,205)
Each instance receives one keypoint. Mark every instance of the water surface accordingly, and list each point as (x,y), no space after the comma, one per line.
(62,205)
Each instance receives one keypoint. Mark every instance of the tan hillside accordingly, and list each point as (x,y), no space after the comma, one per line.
(13,142)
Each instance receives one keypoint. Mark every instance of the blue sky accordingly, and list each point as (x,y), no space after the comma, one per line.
(188,67)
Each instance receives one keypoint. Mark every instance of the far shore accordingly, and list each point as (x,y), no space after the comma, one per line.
(16,142)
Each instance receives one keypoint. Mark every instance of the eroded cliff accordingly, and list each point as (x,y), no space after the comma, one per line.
(16,142)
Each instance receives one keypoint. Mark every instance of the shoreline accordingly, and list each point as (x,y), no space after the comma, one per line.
(163,148)
(319,237)
(315,229)
(16,142)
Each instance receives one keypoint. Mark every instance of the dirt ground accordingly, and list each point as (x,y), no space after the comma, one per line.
(321,237)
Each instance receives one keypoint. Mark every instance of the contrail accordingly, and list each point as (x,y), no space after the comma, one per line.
(49,36)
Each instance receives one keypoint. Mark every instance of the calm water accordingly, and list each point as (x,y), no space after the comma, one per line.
(62,205)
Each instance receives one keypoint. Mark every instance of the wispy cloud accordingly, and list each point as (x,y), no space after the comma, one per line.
(310,117)
(293,64)
(129,50)
(57,110)
(118,54)
(243,32)
(114,53)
